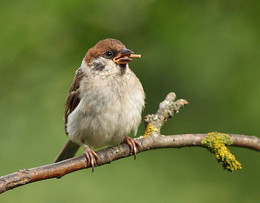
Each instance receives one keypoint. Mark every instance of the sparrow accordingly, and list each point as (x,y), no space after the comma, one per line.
(104,103)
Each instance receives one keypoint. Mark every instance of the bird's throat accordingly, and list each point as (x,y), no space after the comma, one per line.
(122,68)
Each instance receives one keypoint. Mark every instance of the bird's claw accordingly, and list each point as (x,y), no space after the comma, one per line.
(133,144)
(91,157)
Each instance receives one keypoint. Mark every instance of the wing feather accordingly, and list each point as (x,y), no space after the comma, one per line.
(73,97)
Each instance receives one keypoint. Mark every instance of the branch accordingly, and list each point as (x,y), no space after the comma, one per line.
(151,140)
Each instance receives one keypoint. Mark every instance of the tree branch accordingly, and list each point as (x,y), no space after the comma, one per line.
(151,140)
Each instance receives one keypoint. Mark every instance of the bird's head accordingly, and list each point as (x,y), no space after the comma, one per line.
(109,54)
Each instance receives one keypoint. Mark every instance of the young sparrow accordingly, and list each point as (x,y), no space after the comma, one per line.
(104,103)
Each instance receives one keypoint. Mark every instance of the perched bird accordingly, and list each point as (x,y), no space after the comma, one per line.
(104,103)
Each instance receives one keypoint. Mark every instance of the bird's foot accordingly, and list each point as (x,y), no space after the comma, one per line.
(91,157)
(133,144)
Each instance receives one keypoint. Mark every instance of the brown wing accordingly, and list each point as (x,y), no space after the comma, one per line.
(73,99)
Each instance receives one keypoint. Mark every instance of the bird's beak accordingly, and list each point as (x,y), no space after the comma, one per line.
(125,56)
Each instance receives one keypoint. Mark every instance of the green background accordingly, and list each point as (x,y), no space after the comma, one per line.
(205,51)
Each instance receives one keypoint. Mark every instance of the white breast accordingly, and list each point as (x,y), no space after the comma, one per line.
(110,107)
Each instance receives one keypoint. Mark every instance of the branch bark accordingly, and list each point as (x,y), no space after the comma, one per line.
(151,140)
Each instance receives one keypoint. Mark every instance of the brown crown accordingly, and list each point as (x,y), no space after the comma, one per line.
(101,47)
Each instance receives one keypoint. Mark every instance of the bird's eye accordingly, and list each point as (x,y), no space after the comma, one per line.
(108,54)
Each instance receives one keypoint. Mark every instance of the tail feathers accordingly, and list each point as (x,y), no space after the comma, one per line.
(68,151)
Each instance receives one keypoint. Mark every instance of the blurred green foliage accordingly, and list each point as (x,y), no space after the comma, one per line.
(205,51)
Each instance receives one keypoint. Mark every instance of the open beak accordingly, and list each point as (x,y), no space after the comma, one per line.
(125,56)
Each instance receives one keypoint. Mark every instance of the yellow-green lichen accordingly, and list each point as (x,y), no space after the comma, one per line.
(216,142)
(149,129)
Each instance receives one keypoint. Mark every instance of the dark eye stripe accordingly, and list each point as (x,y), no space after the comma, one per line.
(110,54)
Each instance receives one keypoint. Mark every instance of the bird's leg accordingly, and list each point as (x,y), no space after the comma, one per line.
(133,144)
(91,156)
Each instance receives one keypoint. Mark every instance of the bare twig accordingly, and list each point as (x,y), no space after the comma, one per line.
(151,140)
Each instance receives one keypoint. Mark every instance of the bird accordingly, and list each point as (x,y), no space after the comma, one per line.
(104,103)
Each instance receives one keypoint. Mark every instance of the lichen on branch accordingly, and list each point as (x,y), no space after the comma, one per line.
(216,143)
